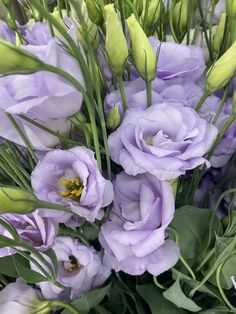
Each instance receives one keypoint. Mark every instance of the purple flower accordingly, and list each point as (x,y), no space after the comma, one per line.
(134,238)
(178,60)
(179,90)
(71,177)
(6,33)
(19,298)
(164,140)
(80,269)
(39,34)
(35,230)
(41,97)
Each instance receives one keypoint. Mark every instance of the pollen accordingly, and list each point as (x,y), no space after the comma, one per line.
(72,265)
(74,188)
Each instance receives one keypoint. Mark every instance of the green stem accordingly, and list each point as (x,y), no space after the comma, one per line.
(45,4)
(145,15)
(68,307)
(213,6)
(23,137)
(225,128)
(121,8)
(184,262)
(202,100)
(149,93)
(221,105)
(221,290)
(208,256)
(158,284)
(122,92)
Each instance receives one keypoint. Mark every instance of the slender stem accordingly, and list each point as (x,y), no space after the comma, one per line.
(23,137)
(202,100)
(158,284)
(67,306)
(225,128)
(121,7)
(221,105)
(213,6)
(149,93)
(221,290)
(122,92)
(184,262)
(209,255)
(45,4)
(145,15)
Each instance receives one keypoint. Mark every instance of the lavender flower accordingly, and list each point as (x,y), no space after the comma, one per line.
(6,33)
(19,298)
(42,97)
(72,178)
(35,230)
(178,60)
(134,238)
(80,269)
(164,140)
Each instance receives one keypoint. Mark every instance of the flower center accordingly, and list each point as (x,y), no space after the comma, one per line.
(74,188)
(72,265)
(149,141)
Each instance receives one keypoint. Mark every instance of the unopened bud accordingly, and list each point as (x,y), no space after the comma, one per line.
(17,60)
(15,200)
(153,13)
(94,12)
(143,53)
(219,34)
(113,118)
(234,102)
(116,45)
(231,7)
(222,70)
(179,17)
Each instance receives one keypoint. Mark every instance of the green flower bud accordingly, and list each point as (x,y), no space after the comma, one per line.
(219,34)
(144,56)
(153,14)
(113,118)
(179,17)
(222,70)
(15,200)
(17,60)
(231,7)
(116,45)
(94,12)
(234,102)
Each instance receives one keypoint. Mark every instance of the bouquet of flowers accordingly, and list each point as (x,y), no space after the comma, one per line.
(117,156)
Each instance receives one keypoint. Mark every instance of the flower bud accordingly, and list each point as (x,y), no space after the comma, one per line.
(231,7)
(94,12)
(179,17)
(234,102)
(116,45)
(15,200)
(17,60)
(113,118)
(219,34)
(153,13)
(144,55)
(56,15)
(222,70)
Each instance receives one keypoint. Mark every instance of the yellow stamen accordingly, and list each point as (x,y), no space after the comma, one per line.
(74,188)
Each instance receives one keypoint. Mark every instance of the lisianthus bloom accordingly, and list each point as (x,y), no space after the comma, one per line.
(164,140)
(6,33)
(41,97)
(80,269)
(19,298)
(35,230)
(178,60)
(38,34)
(71,177)
(134,237)
(182,90)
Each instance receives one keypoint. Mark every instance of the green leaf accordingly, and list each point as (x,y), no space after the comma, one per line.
(89,300)
(7,267)
(192,225)
(51,254)
(157,303)
(221,309)
(25,272)
(175,295)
